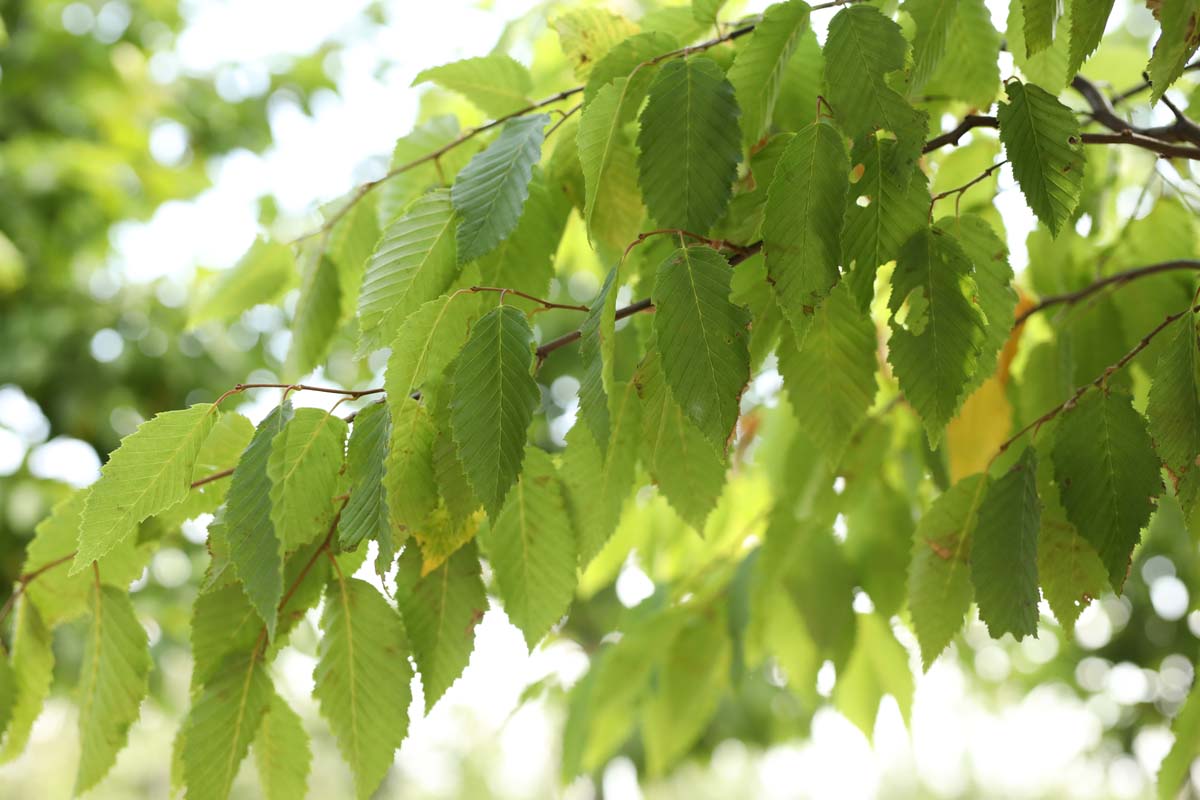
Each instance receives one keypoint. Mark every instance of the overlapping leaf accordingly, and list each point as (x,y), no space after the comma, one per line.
(408,478)
(758,69)
(32,668)
(525,260)
(263,274)
(597,349)
(365,515)
(627,60)
(969,70)
(303,467)
(281,753)
(1039,16)
(588,34)
(933,19)
(878,667)
(497,84)
(1174,406)
(1088,19)
(613,203)
(1180,21)
(318,311)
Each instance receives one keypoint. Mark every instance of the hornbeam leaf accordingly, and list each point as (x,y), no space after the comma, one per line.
(413,263)
(492,402)
(525,260)
(415,179)
(318,311)
(969,70)
(935,350)
(491,191)
(497,84)
(1047,68)
(220,452)
(939,582)
(627,60)
(366,513)
(408,478)
(1041,139)
(1174,406)
(863,46)
(597,351)
(1178,762)
(588,34)
(933,19)
(1040,16)
(281,753)
(221,725)
(303,467)
(32,671)
(702,338)
(223,623)
(884,208)
(150,472)
(758,69)
(1004,551)
(613,203)
(682,462)
(440,612)
(802,221)
(690,145)
(255,548)
(113,682)
(531,549)
(706,11)
(1072,574)
(264,273)
(428,341)
(877,667)
(362,679)
(830,376)
(1107,474)
(1088,19)
(351,242)
(1180,22)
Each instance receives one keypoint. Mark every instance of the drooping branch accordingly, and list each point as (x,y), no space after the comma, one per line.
(1182,130)
(1116,279)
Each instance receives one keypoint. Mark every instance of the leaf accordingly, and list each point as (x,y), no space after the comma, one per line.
(1107,473)
(221,725)
(428,341)
(440,612)
(803,80)
(969,70)
(935,350)
(281,753)
(1174,406)
(113,683)
(492,403)
(365,515)
(411,179)
(525,260)
(690,145)
(531,549)
(802,222)
(264,273)
(1041,140)
(1088,19)
(1047,68)
(939,584)
(408,478)
(255,547)
(877,667)
(613,203)
(1180,21)
(759,66)
(830,376)
(150,472)
(682,462)
(491,191)
(702,338)
(351,242)
(1177,765)
(32,671)
(863,46)
(223,624)
(1072,574)
(933,19)
(220,452)
(588,34)
(1039,24)
(1004,551)
(497,84)
(303,467)
(884,208)
(318,311)
(706,11)
(413,263)
(362,679)
(597,349)
(627,60)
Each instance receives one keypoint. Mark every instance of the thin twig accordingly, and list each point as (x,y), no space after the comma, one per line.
(1119,278)
(1143,141)
(545,303)
(959,190)
(216,476)
(22,583)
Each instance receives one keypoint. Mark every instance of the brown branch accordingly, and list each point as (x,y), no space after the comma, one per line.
(953,135)
(22,583)
(1117,279)
(959,190)
(216,476)
(502,291)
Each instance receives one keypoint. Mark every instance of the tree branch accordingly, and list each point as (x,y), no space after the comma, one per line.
(1117,279)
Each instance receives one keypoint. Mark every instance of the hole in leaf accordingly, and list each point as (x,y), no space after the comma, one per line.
(914,313)
(862,201)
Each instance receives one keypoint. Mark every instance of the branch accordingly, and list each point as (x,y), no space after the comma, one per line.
(1117,279)
(22,583)
(959,190)
(1145,84)
(502,291)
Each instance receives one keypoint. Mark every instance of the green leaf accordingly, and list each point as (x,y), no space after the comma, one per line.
(397,192)
(1071,572)
(351,242)
(624,61)
(759,67)
(261,276)
(802,82)
(223,624)
(830,376)
(1047,68)
(1041,139)
(254,544)
(362,679)
(303,467)
(440,612)
(491,191)
(318,311)
(220,452)
(1088,18)
(365,515)
(597,349)
(613,203)
(525,260)
(497,84)
(1004,551)
(1039,18)
(690,145)
(113,682)
(1180,21)
(33,671)
(408,478)
(884,208)
(933,19)
(1174,406)
(706,11)
(877,667)
(935,350)
(678,456)
(221,725)
(492,403)
(702,338)
(863,46)
(588,34)
(939,583)
(428,341)
(281,753)
(413,263)
(1177,765)
(802,221)
(531,549)
(969,71)
(1107,472)
(150,472)
(690,683)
